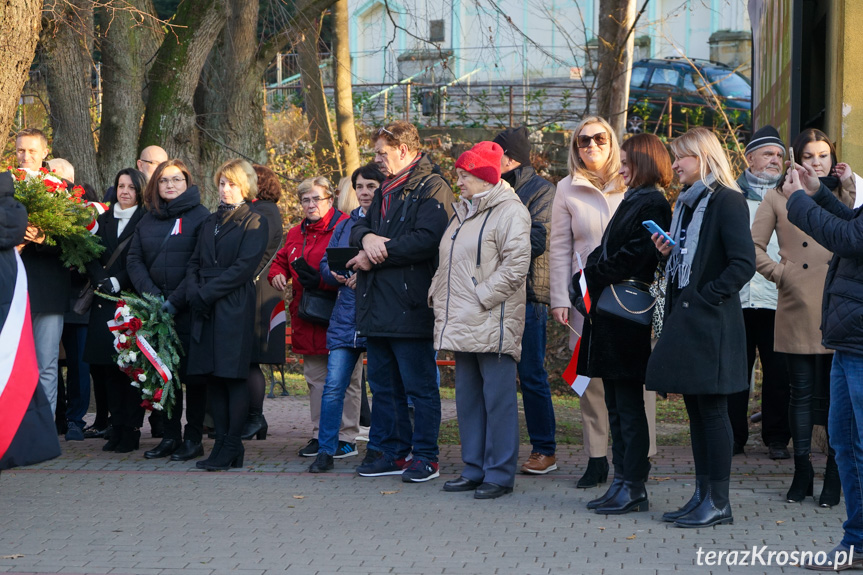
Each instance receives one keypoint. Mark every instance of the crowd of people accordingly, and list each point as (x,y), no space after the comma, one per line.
(396,268)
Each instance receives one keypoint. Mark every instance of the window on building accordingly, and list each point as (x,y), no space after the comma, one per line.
(436,31)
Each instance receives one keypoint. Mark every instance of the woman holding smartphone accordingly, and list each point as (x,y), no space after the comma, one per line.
(617,349)
(702,351)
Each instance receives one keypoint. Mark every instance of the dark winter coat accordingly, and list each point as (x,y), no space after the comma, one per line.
(392,297)
(36,438)
(270,346)
(159,267)
(49,281)
(703,345)
(537,194)
(221,292)
(839,229)
(342,331)
(616,348)
(99,349)
(308,240)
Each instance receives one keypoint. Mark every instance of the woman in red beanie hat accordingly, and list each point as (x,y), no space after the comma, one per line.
(478,296)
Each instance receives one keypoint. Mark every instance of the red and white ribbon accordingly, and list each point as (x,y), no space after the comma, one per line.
(578,383)
(19,372)
(154,359)
(277,317)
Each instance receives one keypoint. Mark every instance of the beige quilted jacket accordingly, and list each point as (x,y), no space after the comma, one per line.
(478,292)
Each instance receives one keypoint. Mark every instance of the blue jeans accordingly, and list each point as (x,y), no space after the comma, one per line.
(845,424)
(78,373)
(47,331)
(340,365)
(535,391)
(398,367)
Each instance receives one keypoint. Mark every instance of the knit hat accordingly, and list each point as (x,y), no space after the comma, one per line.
(482,161)
(515,144)
(766,136)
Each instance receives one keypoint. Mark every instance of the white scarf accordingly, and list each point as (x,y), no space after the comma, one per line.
(123,217)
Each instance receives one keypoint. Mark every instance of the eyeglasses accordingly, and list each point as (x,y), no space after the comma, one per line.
(315,200)
(148,161)
(601,139)
(384,130)
(176,181)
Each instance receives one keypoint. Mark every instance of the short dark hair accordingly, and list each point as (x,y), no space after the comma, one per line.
(139,180)
(370,171)
(269,186)
(151,192)
(400,132)
(648,160)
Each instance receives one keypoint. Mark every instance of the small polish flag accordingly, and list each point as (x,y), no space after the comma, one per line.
(178,227)
(100,209)
(578,383)
(277,317)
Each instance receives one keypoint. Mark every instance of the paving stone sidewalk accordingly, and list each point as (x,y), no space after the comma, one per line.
(95,512)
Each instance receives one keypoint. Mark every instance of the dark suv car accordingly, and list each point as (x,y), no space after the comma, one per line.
(654,80)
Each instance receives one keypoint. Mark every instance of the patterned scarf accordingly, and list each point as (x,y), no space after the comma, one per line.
(394,184)
(683,253)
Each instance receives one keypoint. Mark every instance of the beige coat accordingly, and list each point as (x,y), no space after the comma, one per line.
(799,275)
(479,298)
(579,216)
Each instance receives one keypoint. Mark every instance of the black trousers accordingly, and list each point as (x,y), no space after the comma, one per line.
(124,401)
(810,396)
(630,437)
(196,408)
(710,430)
(774,385)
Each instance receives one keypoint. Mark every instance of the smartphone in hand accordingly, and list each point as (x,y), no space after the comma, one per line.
(654,228)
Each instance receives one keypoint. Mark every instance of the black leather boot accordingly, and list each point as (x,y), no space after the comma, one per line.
(189,450)
(801,485)
(165,448)
(616,483)
(230,455)
(701,486)
(256,425)
(832,486)
(632,496)
(596,473)
(117,432)
(713,510)
(214,453)
(129,442)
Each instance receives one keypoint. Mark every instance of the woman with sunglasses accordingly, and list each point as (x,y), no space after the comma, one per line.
(299,262)
(161,248)
(583,205)
(702,351)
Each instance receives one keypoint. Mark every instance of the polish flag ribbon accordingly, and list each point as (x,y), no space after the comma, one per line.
(154,359)
(277,317)
(578,383)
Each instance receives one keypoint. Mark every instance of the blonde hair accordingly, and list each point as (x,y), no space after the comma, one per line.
(318,181)
(609,172)
(703,144)
(241,173)
(347,201)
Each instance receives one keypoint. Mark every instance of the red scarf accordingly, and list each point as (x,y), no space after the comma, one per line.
(394,184)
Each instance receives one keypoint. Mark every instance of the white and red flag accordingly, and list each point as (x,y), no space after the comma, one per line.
(277,318)
(578,383)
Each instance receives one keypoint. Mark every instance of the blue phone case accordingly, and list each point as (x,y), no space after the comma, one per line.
(653,228)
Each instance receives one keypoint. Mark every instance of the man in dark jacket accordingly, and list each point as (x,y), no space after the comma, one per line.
(399,238)
(49,280)
(537,194)
(816,211)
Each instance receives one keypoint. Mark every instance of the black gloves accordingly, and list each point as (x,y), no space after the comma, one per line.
(575,295)
(167,306)
(309,277)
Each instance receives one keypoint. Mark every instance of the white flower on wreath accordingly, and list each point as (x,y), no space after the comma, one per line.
(146,391)
(158,406)
(135,384)
(142,377)
(132,356)
(122,338)
(126,313)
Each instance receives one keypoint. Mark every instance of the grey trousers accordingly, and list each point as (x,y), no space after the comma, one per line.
(47,330)
(487,407)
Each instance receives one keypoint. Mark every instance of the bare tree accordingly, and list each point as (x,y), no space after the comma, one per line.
(616,47)
(16,52)
(343,95)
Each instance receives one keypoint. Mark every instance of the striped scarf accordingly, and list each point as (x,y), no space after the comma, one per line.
(394,184)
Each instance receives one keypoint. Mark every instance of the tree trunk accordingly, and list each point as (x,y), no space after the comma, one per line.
(315,99)
(66,39)
(169,118)
(16,53)
(127,47)
(343,93)
(616,46)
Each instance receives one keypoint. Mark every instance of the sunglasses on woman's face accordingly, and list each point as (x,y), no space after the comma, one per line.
(601,139)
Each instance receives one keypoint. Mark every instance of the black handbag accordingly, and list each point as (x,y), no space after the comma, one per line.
(629,300)
(316,306)
(85,298)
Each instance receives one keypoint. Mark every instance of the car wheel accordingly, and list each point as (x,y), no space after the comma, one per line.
(634,124)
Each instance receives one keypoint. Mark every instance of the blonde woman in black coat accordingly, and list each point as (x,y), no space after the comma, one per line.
(702,351)
(221,294)
(617,349)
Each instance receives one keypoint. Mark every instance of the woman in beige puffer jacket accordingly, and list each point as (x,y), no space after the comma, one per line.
(478,296)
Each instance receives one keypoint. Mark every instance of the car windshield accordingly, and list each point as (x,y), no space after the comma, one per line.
(729,84)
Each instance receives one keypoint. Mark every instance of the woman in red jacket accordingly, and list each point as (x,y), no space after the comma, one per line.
(300,260)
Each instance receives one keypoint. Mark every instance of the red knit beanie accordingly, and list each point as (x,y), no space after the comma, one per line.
(482,161)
